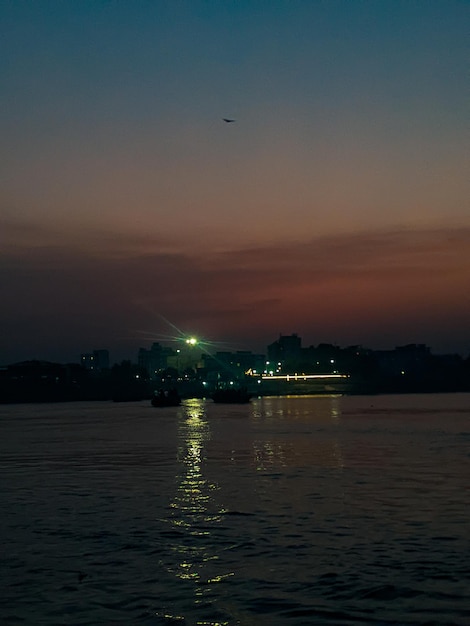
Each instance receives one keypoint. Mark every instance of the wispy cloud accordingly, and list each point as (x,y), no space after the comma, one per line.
(333,284)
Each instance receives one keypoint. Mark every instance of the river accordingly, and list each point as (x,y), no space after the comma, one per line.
(285,511)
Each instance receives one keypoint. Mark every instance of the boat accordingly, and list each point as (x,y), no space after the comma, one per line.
(165,398)
(232,395)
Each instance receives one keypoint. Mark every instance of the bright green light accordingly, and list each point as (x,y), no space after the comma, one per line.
(192,341)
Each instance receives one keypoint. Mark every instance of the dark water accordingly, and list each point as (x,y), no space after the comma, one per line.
(314,510)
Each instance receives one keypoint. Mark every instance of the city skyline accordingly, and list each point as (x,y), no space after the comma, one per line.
(335,206)
(199,347)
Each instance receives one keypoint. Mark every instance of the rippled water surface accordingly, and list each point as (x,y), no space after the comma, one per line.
(286,511)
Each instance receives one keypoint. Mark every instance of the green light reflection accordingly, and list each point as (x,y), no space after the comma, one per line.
(194,510)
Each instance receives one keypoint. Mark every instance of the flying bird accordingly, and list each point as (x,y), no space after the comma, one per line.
(229,121)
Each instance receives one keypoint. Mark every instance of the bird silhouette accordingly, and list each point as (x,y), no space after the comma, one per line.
(228,120)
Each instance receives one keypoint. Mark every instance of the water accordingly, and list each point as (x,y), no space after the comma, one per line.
(287,511)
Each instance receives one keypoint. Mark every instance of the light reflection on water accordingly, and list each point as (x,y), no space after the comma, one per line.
(283,452)
(194,511)
(298,511)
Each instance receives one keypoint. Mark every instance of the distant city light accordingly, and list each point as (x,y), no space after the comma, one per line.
(293,377)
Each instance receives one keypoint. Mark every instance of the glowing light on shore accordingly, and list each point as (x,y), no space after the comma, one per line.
(294,377)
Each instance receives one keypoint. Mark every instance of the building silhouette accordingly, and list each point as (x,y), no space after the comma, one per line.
(286,350)
(96,361)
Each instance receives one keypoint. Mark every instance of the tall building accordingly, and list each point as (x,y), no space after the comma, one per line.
(286,350)
(95,361)
(155,359)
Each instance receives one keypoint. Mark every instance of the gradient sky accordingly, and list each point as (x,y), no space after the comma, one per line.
(336,206)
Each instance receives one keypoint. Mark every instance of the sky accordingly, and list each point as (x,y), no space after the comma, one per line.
(336,206)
